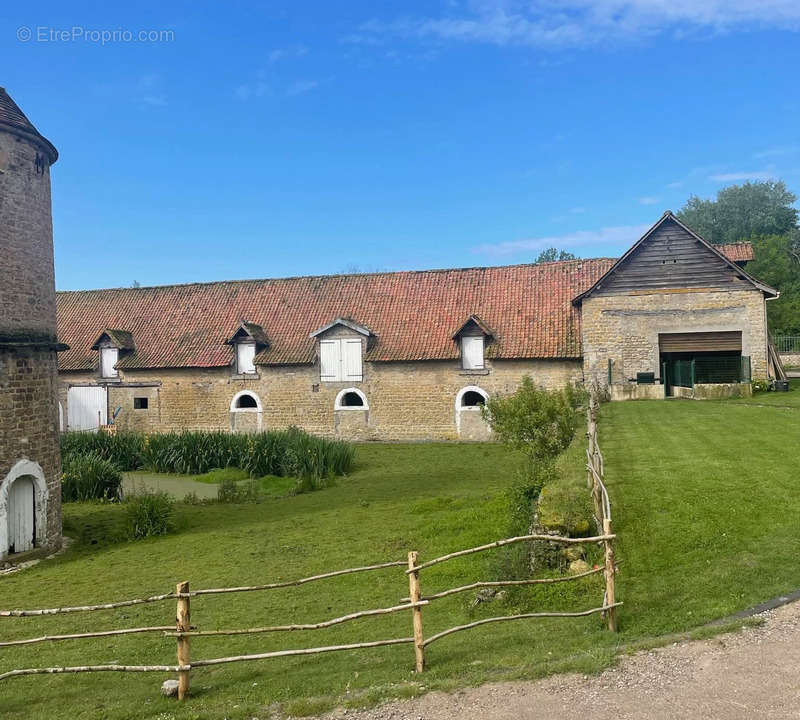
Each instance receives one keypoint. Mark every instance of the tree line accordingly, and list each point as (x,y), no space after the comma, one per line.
(761,213)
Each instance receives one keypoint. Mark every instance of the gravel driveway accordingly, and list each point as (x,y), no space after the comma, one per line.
(750,674)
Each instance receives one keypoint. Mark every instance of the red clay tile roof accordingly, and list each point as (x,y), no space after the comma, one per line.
(412,314)
(737,252)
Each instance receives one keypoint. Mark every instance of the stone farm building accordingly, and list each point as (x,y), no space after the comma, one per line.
(412,355)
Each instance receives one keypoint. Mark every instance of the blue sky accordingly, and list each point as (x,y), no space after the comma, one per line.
(264,139)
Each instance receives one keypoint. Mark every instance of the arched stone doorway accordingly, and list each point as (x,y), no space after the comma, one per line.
(247,413)
(470,424)
(23,508)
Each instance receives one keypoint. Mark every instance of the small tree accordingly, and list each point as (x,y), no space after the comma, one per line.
(540,423)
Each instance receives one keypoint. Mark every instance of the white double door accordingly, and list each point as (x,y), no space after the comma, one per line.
(86,408)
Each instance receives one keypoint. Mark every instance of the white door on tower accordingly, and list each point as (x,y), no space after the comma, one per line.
(21,525)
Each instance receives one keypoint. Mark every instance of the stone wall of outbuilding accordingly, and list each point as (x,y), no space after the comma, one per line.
(625,328)
(409,401)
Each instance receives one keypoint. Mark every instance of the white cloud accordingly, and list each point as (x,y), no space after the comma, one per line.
(608,237)
(573,23)
(743,175)
(649,200)
(776,152)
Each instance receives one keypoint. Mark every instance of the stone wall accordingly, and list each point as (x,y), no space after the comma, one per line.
(625,328)
(405,401)
(29,422)
(631,391)
(27,293)
(28,367)
(791,360)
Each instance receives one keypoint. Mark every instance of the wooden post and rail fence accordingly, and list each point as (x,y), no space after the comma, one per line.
(183,630)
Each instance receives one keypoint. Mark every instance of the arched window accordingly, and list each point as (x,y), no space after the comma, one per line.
(472,398)
(245,400)
(470,424)
(351,399)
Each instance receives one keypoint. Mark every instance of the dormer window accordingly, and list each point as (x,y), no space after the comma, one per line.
(113,346)
(248,340)
(472,352)
(108,360)
(340,360)
(245,357)
(472,338)
(341,350)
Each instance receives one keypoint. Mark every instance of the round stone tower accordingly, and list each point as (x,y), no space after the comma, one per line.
(30,466)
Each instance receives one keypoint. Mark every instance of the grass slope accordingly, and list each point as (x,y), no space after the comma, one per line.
(705,501)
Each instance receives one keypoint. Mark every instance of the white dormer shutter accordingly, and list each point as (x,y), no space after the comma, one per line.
(472,353)
(108,358)
(329,363)
(351,359)
(245,357)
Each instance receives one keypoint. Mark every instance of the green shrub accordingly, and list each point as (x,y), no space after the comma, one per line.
(524,493)
(540,423)
(148,514)
(295,453)
(215,455)
(194,453)
(761,385)
(566,508)
(124,449)
(89,477)
(228,491)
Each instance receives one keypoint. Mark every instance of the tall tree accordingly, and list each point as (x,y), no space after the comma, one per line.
(551,254)
(762,213)
(776,263)
(741,212)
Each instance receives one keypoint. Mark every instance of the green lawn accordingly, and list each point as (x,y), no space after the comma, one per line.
(787,399)
(705,502)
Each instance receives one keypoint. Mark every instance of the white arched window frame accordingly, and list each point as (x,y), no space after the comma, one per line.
(24,468)
(248,393)
(340,397)
(469,408)
(257,409)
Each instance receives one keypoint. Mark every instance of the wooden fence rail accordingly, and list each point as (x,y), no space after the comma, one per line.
(184,631)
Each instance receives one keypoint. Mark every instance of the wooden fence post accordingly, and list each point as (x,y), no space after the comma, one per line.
(416,612)
(610,574)
(183,624)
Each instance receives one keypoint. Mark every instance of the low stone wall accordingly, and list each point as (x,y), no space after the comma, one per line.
(637,392)
(790,359)
(718,391)
(714,391)
(682,392)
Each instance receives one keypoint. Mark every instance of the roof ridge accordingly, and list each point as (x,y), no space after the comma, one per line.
(336,275)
